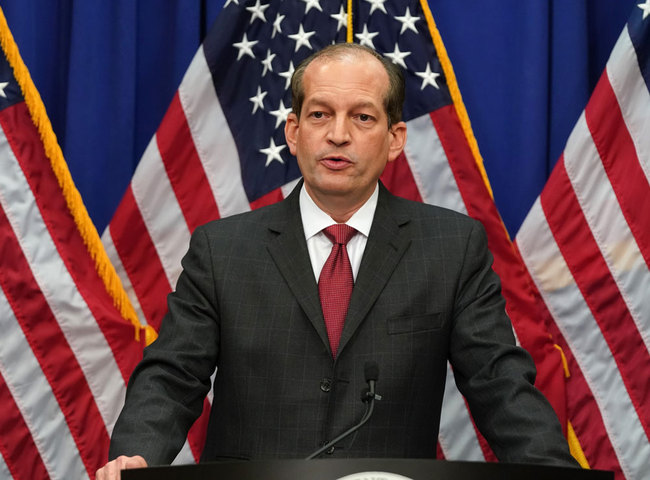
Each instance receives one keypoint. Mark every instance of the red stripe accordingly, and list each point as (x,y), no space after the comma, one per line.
(619,157)
(273,196)
(398,178)
(26,145)
(184,167)
(198,431)
(593,278)
(525,307)
(52,351)
(16,443)
(140,259)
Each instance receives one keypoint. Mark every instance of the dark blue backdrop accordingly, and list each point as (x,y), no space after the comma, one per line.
(108,69)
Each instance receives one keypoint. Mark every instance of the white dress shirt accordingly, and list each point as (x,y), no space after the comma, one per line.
(314,220)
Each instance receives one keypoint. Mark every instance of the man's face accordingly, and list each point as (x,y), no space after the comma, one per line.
(342,141)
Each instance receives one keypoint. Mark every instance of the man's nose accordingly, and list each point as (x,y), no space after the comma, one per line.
(339,131)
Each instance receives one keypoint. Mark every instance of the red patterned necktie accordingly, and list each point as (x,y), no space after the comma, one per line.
(336,282)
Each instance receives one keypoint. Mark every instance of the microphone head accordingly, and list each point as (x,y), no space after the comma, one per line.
(371,371)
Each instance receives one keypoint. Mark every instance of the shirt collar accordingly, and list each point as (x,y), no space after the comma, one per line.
(314,219)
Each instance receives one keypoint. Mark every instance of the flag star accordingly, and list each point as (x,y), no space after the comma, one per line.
(236,2)
(407,21)
(312,4)
(428,78)
(257,11)
(398,56)
(365,37)
(258,99)
(280,114)
(341,18)
(276,25)
(3,85)
(645,7)
(377,5)
(268,67)
(302,38)
(287,75)
(245,47)
(273,152)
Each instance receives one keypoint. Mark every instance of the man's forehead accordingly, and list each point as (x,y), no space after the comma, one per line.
(352,58)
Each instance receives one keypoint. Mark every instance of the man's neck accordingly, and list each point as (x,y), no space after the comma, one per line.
(339,209)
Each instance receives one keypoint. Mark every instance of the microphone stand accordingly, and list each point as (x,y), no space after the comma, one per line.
(367,397)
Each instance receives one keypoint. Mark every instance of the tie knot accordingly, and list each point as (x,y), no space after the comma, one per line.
(339,233)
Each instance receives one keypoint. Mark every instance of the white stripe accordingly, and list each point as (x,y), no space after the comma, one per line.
(633,97)
(160,211)
(4,470)
(287,188)
(457,436)
(114,257)
(430,167)
(35,400)
(563,299)
(608,225)
(185,455)
(212,138)
(77,323)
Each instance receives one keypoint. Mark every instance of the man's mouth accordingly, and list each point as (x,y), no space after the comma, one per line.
(335,162)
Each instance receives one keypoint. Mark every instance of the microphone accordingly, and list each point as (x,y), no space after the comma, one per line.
(368,396)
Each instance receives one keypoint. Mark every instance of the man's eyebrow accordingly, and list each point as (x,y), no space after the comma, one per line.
(324,102)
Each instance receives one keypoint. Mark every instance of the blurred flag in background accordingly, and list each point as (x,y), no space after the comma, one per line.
(68,334)
(586,243)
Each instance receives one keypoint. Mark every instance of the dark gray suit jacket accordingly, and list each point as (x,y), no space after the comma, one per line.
(247,303)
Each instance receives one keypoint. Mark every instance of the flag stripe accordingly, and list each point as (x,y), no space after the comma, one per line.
(588,268)
(133,244)
(618,155)
(111,251)
(85,287)
(573,317)
(429,165)
(34,381)
(187,177)
(608,224)
(165,223)
(625,77)
(586,417)
(212,137)
(51,348)
(457,437)
(17,448)
(399,176)
(78,327)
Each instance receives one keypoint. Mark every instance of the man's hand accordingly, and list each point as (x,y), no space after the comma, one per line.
(111,471)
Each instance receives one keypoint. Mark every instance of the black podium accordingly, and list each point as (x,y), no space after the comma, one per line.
(362,469)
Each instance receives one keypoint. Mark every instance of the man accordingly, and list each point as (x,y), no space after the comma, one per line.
(288,376)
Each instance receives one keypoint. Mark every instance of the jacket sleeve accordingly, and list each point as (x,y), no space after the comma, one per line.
(495,376)
(166,391)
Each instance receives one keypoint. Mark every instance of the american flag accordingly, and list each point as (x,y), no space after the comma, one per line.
(220,150)
(66,349)
(586,243)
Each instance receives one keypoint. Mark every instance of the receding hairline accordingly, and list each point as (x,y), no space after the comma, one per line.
(393,96)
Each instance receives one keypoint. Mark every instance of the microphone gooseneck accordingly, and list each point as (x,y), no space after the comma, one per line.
(368,396)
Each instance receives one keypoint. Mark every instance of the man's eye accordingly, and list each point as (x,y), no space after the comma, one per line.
(364,117)
(317,114)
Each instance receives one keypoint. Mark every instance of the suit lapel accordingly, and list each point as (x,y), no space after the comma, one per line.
(288,249)
(386,245)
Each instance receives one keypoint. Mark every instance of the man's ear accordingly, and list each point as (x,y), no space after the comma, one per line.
(291,132)
(397,134)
